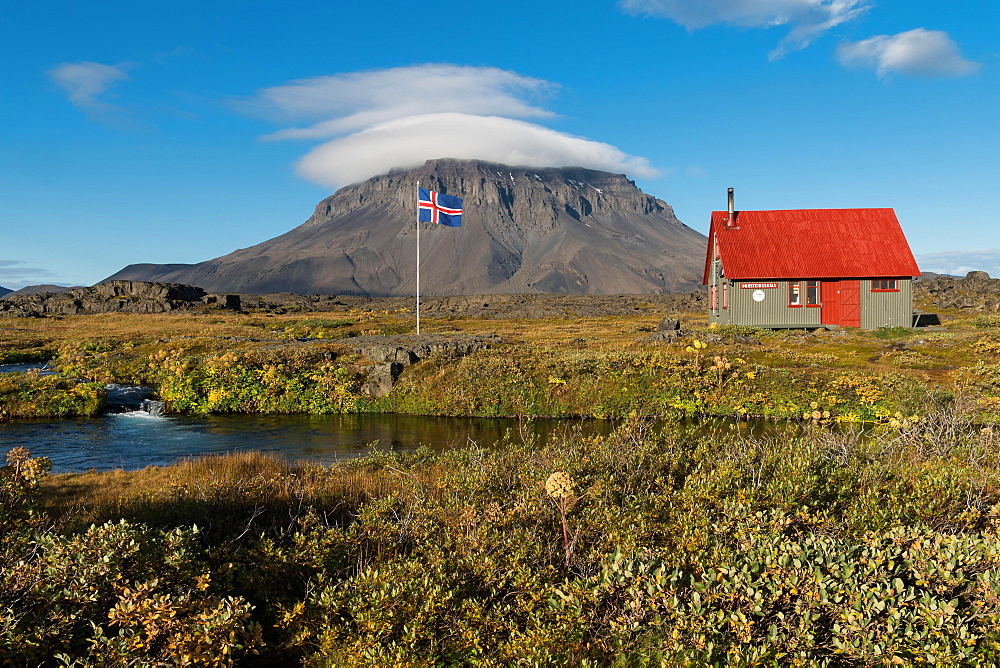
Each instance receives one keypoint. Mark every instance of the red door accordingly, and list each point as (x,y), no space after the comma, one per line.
(830,299)
(850,303)
(841,303)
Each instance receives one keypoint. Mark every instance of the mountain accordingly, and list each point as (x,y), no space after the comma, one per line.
(561,230)
(39,289)
(4,291)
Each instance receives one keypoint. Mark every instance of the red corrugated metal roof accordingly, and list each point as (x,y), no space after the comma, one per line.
(811,243)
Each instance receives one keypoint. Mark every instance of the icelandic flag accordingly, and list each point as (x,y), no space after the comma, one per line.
(439,208)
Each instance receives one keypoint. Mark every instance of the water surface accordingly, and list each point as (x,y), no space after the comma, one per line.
(136,439)
(135,434)
(42,367)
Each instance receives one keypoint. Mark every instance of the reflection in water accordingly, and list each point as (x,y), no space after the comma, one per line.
(137,439)
(42,368)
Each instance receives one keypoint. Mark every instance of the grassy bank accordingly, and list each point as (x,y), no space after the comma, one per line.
(597,366)
(34,395)
(635,548)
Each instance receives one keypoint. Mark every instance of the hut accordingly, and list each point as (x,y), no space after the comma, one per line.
(809,268)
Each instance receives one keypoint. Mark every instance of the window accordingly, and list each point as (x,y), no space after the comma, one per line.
(885,285)
(713,298)
(812,293)
(794,295)
(725,295)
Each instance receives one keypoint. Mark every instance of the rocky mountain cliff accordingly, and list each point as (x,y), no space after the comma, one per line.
(564,231)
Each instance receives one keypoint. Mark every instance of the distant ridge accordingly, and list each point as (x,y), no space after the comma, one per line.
(562,230)
(39,289)
(4,291)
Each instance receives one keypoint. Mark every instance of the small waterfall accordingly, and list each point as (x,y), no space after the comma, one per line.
(153,407)
(132,399)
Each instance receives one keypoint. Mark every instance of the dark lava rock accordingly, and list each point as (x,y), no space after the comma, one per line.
(408,349)
(115,296)
(665,336)
(392,354)
(668,324)
(976,292)
(381,378)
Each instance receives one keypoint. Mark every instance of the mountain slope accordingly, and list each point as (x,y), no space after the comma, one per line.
(565,230)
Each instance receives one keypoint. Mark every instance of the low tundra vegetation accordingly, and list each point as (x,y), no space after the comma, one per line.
(822,546)
(600,367)
(203,375)
(208,375)
(644,546)
(33,395)
(703,379)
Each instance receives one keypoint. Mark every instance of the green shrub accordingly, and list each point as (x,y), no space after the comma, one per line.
(905,596)
(39,356)
(812,548)
(34,395)
(119,593)
(753,552)
(892,332)
(256,383)
(195,375)
(729,330)
(114,594)
(989,321)
(19,488)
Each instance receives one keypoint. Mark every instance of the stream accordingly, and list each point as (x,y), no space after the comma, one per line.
(135,433)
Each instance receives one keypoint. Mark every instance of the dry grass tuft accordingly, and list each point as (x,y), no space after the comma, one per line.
(230,485)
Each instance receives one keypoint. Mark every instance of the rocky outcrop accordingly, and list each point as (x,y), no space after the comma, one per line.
(976,292)
(147,297)
(408,349)
(114,296)
(392,354)
(142,291)
(559,231)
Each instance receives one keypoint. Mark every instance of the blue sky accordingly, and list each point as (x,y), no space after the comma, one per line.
(150,132)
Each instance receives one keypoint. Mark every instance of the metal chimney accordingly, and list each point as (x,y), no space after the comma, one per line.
(732,210)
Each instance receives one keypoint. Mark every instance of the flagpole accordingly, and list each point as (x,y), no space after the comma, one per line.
(418,258)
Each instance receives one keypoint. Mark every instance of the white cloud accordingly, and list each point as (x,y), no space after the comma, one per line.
(961,262)
(352,101)
(919,52)
(86,82)
(409,142)
(381,120)
(808,19)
